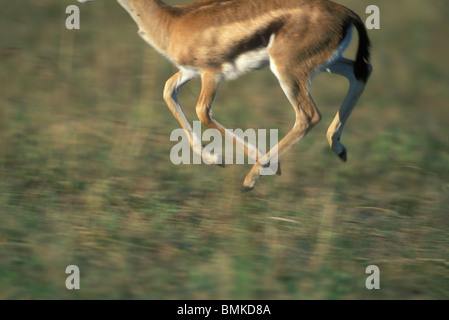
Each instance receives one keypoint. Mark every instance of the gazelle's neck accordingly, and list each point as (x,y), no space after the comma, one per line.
(153,18)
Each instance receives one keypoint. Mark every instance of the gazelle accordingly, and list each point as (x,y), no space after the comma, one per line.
(222,39)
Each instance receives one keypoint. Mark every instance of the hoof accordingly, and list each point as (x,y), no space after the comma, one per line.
(246,189)
(279,172)
(343,155)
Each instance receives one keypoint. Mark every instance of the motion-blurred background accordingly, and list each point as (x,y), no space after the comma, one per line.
(86,178)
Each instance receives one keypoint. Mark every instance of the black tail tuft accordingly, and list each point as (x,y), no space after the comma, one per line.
(362,66)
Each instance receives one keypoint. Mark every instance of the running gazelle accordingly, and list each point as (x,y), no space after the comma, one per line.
(220,40)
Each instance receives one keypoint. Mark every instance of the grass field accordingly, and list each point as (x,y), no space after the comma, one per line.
(86,178)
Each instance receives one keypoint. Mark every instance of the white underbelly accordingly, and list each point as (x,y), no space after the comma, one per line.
(243,63)
(246,62)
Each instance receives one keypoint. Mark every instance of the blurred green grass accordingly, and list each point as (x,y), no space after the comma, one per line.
(86,177)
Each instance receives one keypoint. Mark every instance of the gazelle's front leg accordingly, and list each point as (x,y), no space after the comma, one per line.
(344,67)
(171,90)
(209,88)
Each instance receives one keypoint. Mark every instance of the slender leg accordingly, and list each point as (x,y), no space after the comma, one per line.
(344,67)
(209,89)
(171,90)
(307,116)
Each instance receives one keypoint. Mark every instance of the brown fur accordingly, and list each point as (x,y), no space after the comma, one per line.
(207,36)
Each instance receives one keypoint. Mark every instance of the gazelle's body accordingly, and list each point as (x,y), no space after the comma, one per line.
(222,39)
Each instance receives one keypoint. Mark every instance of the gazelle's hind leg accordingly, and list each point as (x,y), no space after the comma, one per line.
(294,83)
(344,67)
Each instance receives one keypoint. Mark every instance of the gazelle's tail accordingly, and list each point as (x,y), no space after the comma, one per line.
(362,66)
